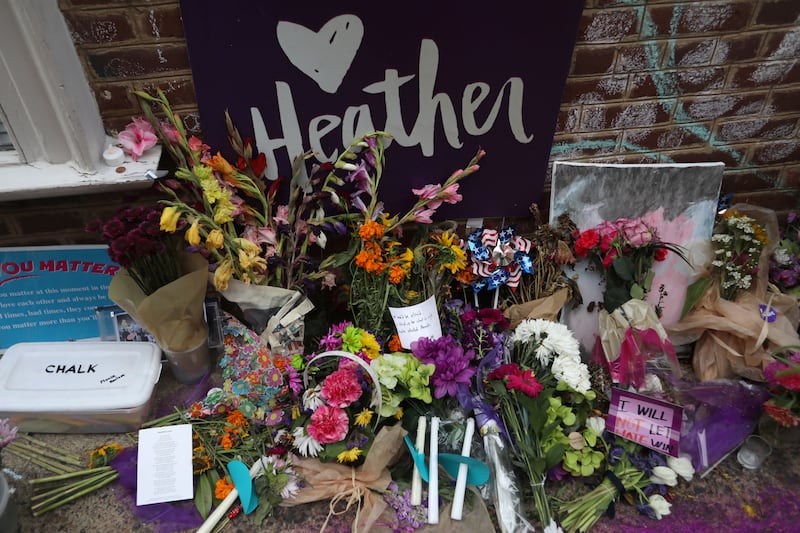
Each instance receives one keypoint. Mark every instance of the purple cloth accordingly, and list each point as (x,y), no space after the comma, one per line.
(167,517)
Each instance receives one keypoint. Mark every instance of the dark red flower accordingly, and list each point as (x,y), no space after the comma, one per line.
(525,382)
(661,254)
(505,370)
(586,241)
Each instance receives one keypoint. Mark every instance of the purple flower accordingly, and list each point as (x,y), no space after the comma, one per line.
(451,361)
(7,433)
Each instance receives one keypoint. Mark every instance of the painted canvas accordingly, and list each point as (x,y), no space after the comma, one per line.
(679,200)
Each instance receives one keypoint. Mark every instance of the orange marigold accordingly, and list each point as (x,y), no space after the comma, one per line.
(394,343)
(237,418)
(223,488)
(396,274)
(226,442)
(370,230)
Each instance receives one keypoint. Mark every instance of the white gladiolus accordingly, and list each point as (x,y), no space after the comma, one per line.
(663,475)
(660,506)
(682,466)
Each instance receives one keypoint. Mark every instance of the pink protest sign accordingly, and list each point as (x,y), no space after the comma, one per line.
(653,423)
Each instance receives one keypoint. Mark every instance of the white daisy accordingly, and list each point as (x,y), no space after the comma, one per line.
(306,445)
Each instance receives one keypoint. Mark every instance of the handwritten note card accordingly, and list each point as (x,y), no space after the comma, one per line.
(417,321)
(652,423)
(164,471)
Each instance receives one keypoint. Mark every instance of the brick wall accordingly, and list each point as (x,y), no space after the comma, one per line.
(650,82)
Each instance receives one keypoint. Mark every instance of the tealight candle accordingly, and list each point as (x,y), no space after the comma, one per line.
(416,477)
(457,509)
(113,156)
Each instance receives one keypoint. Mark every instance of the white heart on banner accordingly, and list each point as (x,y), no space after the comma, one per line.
(324,56)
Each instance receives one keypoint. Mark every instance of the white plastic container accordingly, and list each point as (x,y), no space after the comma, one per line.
(79,387)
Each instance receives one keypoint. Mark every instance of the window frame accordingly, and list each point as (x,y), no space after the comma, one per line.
(51,113)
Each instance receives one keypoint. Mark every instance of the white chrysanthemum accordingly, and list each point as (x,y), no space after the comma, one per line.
(306,445)
(312,399)
(572,371)
(553,339)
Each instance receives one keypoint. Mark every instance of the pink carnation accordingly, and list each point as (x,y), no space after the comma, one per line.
(328,424)
(341,388)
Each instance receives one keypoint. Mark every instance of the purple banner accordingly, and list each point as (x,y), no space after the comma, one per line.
(443,78)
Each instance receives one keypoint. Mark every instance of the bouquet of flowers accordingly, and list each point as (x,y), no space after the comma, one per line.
(338,416)
(641,476)
(164,291)
(784,264)
(783,382)
(233,217)
(624,251)
(136,242)
(384,272)
(737,249)
(535,394)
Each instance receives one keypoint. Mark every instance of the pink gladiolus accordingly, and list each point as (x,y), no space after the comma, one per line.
(137,137)
(171,132)
(450,194)
(423,215)
(428,192)
(196,145)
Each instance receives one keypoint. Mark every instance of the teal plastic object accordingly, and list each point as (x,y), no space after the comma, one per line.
(477,472)
(240,475)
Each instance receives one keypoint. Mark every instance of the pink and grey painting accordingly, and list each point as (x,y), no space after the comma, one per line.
(679,200)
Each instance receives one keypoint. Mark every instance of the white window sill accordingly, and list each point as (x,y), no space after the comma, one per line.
(45,180)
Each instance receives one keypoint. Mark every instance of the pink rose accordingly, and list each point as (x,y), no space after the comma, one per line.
(328,424)
(636,232)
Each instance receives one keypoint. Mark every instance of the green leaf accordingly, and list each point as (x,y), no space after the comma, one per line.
(624,268)
(693,294)
(554,455)
(648,280)
(614,297)
(203,495)
(637,291)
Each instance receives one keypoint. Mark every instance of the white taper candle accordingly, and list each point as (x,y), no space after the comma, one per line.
(433,474)
(416,477)
(461,480)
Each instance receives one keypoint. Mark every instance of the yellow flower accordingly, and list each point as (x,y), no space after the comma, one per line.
(399,414)
(364,417)
(223,275)
(348,456)
(250,255)
(459,256)
(370,345)
(169,219)
(223,212)
(215,239)
(193,233)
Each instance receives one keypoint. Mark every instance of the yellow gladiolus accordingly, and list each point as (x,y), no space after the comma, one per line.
(193,233)
(169,219)
(223,275)
(215,239)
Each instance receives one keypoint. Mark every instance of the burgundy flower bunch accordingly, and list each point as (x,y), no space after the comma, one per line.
(783,380)
(624,251)
(136,242)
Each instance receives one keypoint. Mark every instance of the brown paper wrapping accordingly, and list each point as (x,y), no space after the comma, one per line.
(339,482)
(731,338)
(546,308)
(174,314)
